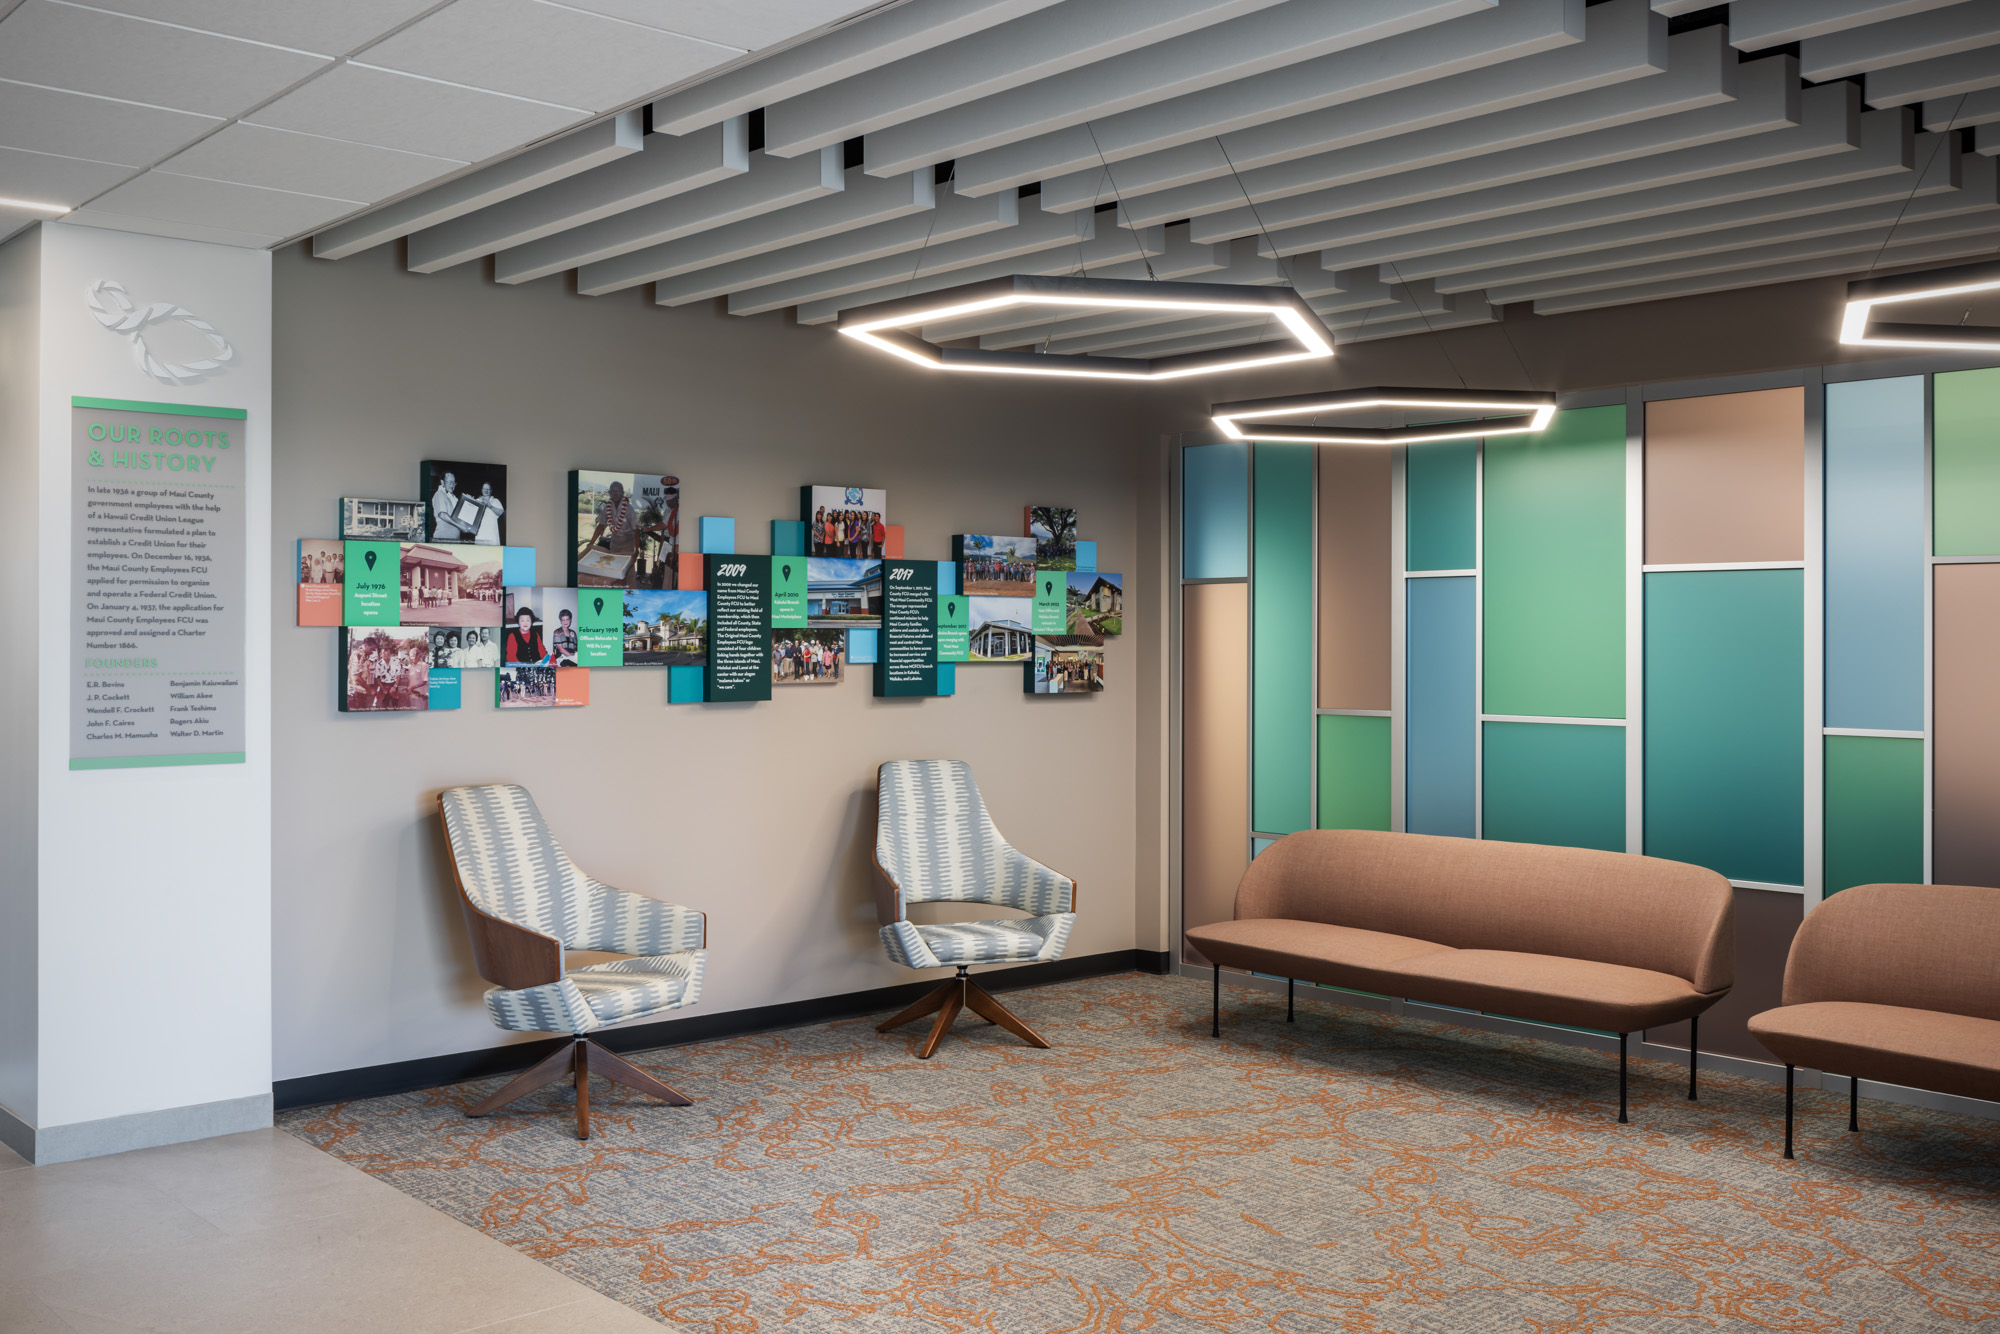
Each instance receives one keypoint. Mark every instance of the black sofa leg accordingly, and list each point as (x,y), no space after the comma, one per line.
(1622,1118)
(1788,1109)
(1853,1104)
(1215,1027)
(1694,1050)
(1290,983)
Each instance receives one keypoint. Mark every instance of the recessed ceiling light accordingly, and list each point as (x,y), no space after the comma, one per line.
(1859,327)
(885,326)
(33,206)
(1528,411)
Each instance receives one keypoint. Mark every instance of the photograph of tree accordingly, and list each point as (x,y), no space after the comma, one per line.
(666,629)
(1054,531)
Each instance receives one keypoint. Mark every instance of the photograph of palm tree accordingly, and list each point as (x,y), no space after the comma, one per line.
(665,628)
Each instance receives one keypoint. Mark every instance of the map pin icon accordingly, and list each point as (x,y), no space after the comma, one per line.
(369,557)
(788,574)
(600,606)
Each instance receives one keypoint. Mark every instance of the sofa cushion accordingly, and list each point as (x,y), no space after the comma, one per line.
(1549,988)
(1928,1049)
(1312,951)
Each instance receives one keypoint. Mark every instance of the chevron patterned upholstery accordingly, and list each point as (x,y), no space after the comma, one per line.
(513,868)
(937,844)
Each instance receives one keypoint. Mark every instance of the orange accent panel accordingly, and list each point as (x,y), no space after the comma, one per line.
(1965,746)
(572,686)
(690,571)
(320,604)
(1354,577)
(1725,478)
(892,541)
(1215,789)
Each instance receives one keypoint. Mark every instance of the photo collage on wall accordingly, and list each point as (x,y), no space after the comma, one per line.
(424,589)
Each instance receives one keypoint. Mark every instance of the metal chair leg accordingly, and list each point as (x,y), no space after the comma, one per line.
(1788,1109)
(1215,1024)
(1694,1050)
(1290,983)
(1622,1118)
(1853,1104)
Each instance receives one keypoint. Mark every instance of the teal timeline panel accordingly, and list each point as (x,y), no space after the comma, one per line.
(1281,628)
(1875,554)
(1439,723)
(1553,569)
(1442,490)
(1725,731)
(1215,511)
(1874,811)
(1561,783)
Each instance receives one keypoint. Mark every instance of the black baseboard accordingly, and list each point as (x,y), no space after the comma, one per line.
(372,1081)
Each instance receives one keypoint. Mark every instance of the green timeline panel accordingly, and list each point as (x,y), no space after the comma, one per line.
(1559,783)
(1353,772)
(1725,729)
(1442,489)
(1553,570)
(1215,511)
(1874,811)
(1965,463)
(1281,684)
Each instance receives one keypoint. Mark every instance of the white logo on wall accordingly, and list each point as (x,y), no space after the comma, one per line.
(171,343)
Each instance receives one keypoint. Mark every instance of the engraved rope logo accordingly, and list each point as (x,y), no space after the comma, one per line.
(114,308)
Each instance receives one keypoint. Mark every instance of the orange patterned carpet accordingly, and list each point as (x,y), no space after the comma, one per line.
(1350,1172)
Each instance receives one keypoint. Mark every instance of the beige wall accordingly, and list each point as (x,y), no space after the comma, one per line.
(761,815)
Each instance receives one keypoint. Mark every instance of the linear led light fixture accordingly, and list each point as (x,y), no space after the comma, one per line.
(1528,411)
(33,206)
(885,326)
(1859,327)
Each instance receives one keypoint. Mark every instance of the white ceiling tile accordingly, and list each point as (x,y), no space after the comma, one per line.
(330,27)
(46,178)
(548,52)
(44,120)
(186,231)
(159,196)
(392,110)
(306,163)
(64,46)
(750,24)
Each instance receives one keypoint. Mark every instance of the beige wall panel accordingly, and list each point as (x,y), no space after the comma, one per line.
(1354,577)
(1965,752)
(1725,478)
(1215,756)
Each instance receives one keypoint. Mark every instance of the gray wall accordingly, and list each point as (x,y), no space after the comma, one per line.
(20,575)
(760,815)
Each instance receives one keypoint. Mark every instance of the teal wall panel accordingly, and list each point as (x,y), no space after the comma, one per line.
(1965,462)
(1442,489)
(1440,728)
(1215,511)
(1553,570)
(1560,783)
(1875,554)
(1874,811)
(1353,772)
(1725,731)
(1281,684)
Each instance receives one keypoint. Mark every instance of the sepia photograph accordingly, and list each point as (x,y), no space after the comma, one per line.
(457,584)
(385,669)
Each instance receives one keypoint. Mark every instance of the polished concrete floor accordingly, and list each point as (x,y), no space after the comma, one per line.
(260,1232)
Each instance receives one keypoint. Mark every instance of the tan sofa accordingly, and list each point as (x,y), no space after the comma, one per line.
(1601,940)
(1899,983)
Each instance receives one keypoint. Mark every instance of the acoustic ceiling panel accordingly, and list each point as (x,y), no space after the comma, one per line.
(304,25)
(97,129)
(416,115)
(305,163)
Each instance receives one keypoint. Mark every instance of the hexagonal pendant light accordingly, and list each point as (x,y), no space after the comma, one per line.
(1527,411)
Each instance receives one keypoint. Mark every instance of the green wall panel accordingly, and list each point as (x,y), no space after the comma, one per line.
(1553,571)
(1353,772)
(1725,728)
(1874,811)
(1442,489)
(1281,684)
(1965,463)
(1560,783)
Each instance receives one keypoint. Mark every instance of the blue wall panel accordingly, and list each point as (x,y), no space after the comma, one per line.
(1215,511)
(1439,707)
(1875,554)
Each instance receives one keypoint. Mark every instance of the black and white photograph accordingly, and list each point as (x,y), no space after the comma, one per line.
(381,520)
(465,646)
(465,502)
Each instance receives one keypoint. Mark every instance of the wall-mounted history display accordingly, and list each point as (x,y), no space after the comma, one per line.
(466,502)
(739,628)
(624,529)
(382,520)
(907,662)
(845,521)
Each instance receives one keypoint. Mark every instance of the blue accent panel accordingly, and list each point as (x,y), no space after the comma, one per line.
(1215,511)
(1257,845)
(718,536)
(1440,718)
(685,685)
(862,645)
(948,577)
(1086,556)
(947,678)
(517,567)
(444,688)
(1875,554)
(788,537)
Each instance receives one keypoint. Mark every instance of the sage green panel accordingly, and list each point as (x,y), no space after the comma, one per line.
(1353,772)
(1553,571)
(1725,721)
(1559,783)
(1874,811)
(1965,463)
(1281,676)
(1442,489)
